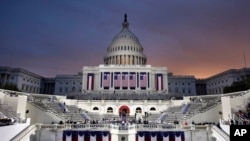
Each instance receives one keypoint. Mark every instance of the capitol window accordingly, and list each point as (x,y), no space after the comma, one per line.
(138,110)
(110,110)
(152,109)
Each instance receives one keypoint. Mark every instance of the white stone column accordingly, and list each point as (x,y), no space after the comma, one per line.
(122,59)
(118,60)
(131,59)
(84,82)
(153,81)
(125,56)
(165,82)
(127,59)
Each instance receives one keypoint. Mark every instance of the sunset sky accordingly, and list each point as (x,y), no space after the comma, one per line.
(189,37)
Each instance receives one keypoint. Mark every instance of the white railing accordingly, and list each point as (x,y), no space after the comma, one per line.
(219,134)
(111,126)
(140,127)
(25,133)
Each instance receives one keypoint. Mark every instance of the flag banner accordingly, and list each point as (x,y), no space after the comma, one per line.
(92,137)
(124,80)
(80,137)
(178,136)
(106,80)
(159,82)
(90,81)
(153,137)
(117,80)
(143,80)
(132,80)
(165,138)
(68,137)
(160,135)
(105,137)
(77,135)
(141,137)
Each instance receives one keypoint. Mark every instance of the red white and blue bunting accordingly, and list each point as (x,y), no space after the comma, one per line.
(160,136)
(71,135)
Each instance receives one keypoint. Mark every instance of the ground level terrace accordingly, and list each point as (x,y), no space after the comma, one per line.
(118,132)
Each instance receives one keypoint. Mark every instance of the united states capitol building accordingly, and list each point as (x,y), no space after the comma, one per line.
(123,99)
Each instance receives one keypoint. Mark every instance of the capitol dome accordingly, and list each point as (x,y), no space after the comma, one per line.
(125,48)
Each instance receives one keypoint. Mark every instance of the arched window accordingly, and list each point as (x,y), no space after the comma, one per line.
(110,110)
(138,110)
(152,109)
(95,109)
